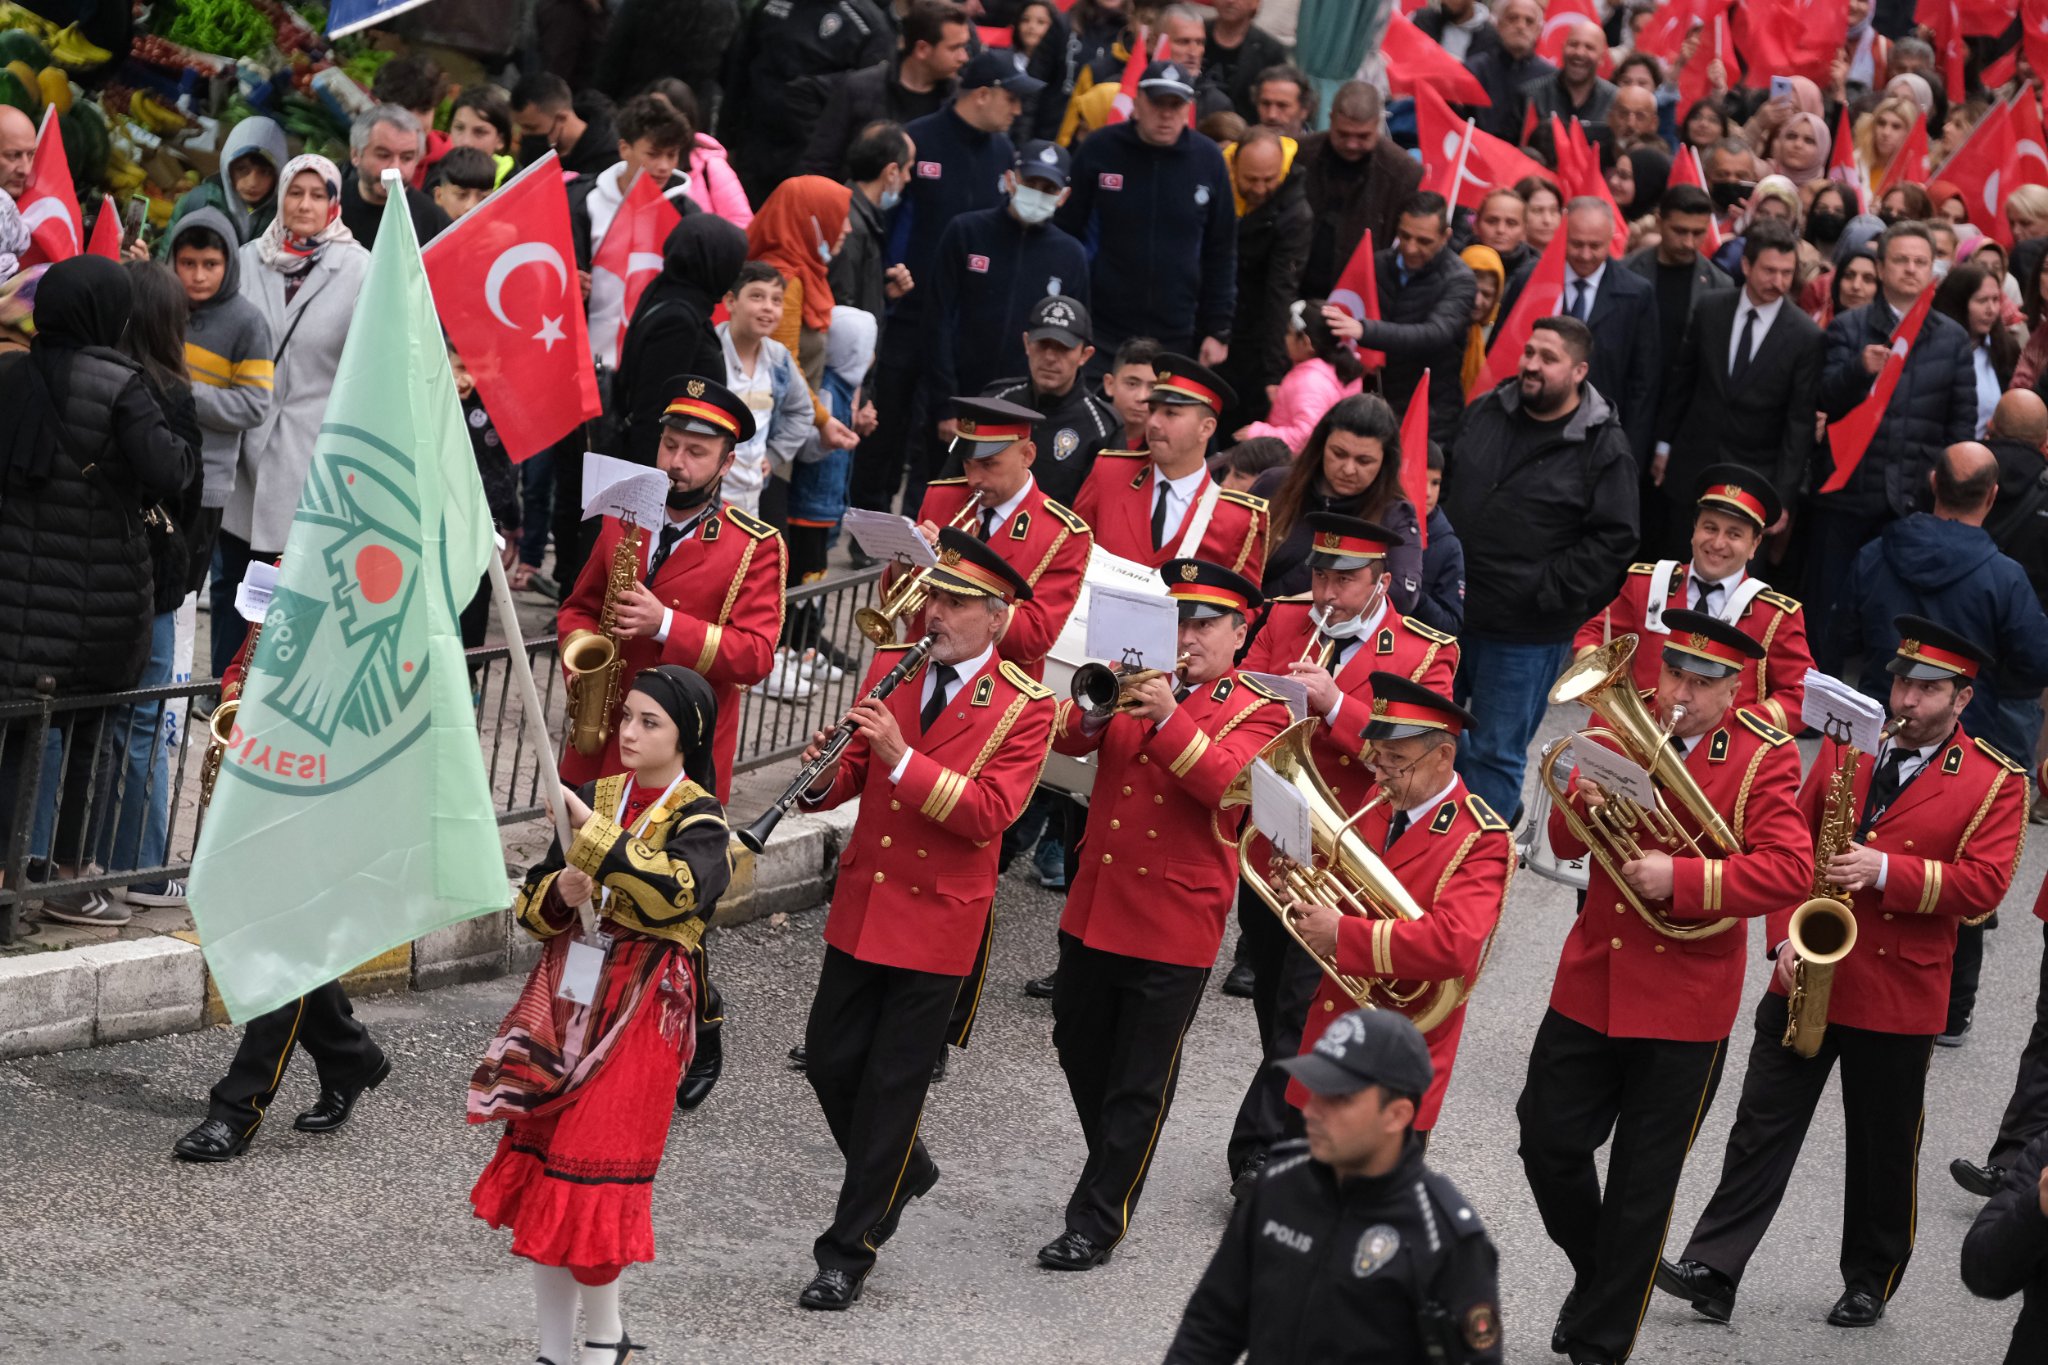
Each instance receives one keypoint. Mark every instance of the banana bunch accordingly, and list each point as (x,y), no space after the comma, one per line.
(124,177)
(154,114)
(69,48)
(21,17)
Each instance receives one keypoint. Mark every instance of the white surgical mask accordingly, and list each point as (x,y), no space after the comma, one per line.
(890,198)
(1033,206)
(818,237)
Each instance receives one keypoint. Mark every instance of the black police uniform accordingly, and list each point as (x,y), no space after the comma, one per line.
(1073,427)
(988,274)
(1387,1269)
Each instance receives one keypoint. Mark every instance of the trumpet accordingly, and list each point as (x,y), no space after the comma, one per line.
(1101,690)
(905,598)
(1318,651)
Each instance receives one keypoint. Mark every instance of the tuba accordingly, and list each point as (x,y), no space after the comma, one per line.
(594,659)
(906,597)
(1615,834)
(1346,874)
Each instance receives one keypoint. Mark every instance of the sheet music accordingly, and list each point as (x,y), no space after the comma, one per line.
(1280,812)
(884,535)
(1832,706)
(619,488)
(1141,629)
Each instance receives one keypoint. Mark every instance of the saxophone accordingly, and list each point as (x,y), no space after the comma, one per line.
(221,724)
(1823,928)
(594,660)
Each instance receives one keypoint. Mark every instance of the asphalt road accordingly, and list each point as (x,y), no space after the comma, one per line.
(360,1247)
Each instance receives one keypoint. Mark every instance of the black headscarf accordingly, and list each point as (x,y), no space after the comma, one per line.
(1653,172)
(699,262)
(691,704)
(81,304)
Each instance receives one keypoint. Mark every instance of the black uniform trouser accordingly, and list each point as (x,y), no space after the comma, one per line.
(898,440)
(1117,1024)
(2026,1114)
(1965,970)
(1284,980)
(967,1005)
(873,1036)
(1884,1076)
(321,1021)
(1649,1095)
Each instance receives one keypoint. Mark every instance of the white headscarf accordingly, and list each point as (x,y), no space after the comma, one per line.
(13,237)
(291,255)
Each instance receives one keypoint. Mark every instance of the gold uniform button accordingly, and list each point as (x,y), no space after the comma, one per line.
(1141,872)
(1909,843)
(1157,799)
(886,841)
(1329,1005)
(1344,760)
(1144,758)
(1880,952)
(879,877)
(1105,857)
(916,891)
(1616,943)
(1619,911)
(1151,834)
(1887,914)
(895,805)
(1127,791)
(1116,824)
(1660,947)
(922,854)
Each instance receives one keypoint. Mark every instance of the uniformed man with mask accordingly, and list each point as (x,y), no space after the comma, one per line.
(1348,1247)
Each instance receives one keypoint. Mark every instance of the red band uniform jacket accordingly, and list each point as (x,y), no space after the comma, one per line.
(724,584)
(1043,540)
(1158,870)
(1116,502)
(919,873)
(1953,838)
(1774,686)
(1457,864)
(1619,976)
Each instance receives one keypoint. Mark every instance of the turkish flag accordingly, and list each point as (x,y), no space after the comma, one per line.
(1134,71)
(1446,139)
(1415,458)
(1790,38)
(1944,22)
(1985,168)
(1541,297)
(1358,293)
(49,206)
(106,232)
(504,281)
(1588,180)
(1911,162)
(1844,166)
(2034,35)
(631,249)
(1415,62)
(1663,37)
(1560,17)
(1985,18)
(1685,170)
(1849,438)
(1693,82)
(2030,146)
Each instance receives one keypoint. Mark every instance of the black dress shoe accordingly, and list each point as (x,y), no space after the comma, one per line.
(1982,1181)
(1856,1308)
(912,1189)
(334,1106)
(1590,1355)
(830,1291)
(1071,1251)
(1040,987)
(798,1058)
(212,1140)
(704,1071)
(1560,1344)
(939,1067)
(1711,1294)
(1237,981)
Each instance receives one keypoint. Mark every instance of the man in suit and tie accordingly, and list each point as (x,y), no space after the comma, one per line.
(1743,393)
(1620,308)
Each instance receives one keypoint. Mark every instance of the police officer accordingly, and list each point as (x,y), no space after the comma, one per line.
(1348,1247)
(1074,419)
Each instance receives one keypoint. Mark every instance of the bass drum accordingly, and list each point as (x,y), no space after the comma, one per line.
(1534,846)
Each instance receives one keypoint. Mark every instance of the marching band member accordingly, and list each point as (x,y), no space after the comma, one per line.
(707,596)
(1145,914)
(1451,852)
(588,1090)
(1735,507)
(1347,614)
(1940,818)
(1153,505)
(1632,1046)
(941,766)
(1044,541)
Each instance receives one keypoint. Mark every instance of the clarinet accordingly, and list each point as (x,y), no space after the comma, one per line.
(755,836)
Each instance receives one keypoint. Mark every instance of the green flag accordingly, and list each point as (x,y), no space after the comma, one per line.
(352,813)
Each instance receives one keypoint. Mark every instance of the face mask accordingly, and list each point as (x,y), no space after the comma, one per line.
(818,236)
(890,198)
(1941,268)
(1887,217)
(1033,206)
(684,499)
(1825,227)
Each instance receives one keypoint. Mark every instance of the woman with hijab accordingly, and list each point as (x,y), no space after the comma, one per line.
(671,332)
(84,452)
(1490,273)
(1652,166)
(1773,113)
(303,274)
(1800,150)
(14,238)
(584,1068)
(797,230)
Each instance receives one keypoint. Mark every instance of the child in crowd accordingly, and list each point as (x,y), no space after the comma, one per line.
(1239,467)
(762,372)
(464,178)
(501,490)
(245,190)
(1128,387)
(1441,602)
(1325,372)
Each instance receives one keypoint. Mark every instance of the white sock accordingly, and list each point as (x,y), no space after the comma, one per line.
(554,1299)
(601,1321)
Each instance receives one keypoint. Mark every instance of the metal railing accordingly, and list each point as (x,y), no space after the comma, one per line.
(130,815)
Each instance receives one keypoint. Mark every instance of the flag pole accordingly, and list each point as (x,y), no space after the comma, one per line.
(521,668)
(1464,155)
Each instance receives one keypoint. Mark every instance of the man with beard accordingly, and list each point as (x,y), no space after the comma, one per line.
(1274,224)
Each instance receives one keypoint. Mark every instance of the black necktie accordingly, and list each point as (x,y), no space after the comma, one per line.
(671,536)
(1396,827)
(1159,516)
(1338,649)
(1744,346)
(988,522)
(942,678)
(1884,789)
(1707,594)
(1579,300)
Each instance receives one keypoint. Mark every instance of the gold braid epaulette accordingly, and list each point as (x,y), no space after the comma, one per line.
(1742,797)
(1046,563)
(998,735)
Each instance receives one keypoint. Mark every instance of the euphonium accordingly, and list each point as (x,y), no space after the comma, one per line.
(1601,679)
(593,659)
(1823,928)
(1346,874)
(1101,690)
(906,597)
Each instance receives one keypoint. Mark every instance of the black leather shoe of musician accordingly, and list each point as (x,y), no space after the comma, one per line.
(1982,1181)
(916,1188)
(830,1291)
(1856,1308)
(1040,987)
(212,1140)
(704,1071)
(1590,1355)
(1071,1251)
(334,1106)
(1237,982)
(799,1059)
(1711,1294)
(1560,1344)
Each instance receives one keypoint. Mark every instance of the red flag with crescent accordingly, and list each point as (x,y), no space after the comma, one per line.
(504,281)
(631,249)
(1849,437)
(1415,458)
(49,206)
